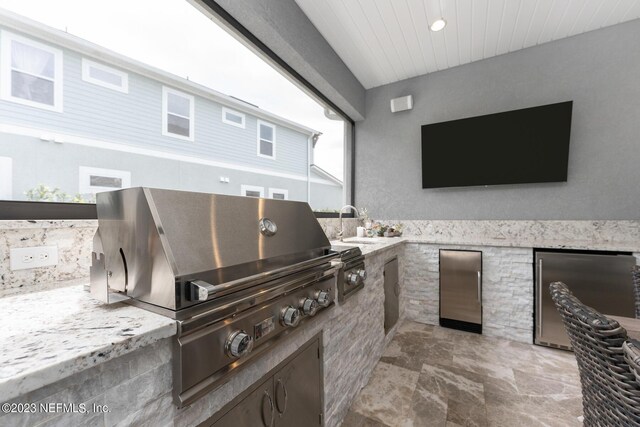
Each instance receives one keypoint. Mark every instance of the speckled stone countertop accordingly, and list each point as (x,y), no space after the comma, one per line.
(371,245)
(50,335)
(606,235)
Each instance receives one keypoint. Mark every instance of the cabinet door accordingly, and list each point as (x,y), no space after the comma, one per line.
(255,410)
(297,389)
(391,294)
(461,287)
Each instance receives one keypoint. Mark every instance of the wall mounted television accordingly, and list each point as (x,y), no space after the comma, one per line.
(515,147)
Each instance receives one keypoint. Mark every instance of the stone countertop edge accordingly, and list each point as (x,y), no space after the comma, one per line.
(373,246)
(382,243)
(50,335)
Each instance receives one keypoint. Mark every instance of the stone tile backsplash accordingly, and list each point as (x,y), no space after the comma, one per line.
(74,239)
(507,285)
(331,227)
(598,234)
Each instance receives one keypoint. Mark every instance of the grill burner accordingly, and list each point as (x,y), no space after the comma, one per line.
(353,272)
(237,273)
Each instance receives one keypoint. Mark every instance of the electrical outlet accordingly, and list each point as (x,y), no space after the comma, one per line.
(33,257)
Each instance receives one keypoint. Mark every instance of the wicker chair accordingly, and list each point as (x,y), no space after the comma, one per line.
(610,391)
(635,273)
(631,350)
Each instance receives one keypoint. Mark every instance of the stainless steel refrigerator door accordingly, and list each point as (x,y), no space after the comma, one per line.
(461,286)
(599,281)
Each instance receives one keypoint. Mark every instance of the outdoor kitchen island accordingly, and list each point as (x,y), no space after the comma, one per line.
(61,346)
(79,351)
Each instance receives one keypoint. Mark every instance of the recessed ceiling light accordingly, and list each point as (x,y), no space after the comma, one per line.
(438,24)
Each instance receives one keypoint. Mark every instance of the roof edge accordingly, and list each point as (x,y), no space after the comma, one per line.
(326,174)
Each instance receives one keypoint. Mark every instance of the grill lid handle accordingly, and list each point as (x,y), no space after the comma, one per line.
(201,290)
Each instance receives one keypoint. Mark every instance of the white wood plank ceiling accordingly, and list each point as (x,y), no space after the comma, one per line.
(384,41)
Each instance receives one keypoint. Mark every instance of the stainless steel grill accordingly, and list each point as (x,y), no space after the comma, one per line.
(353,274)
(237,273)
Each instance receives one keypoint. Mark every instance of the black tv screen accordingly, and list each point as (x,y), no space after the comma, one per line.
(516,147)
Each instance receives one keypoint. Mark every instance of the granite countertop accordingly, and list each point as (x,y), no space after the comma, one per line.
(371,245)
(50,335)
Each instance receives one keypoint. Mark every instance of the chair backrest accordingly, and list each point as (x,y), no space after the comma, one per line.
(610,391)
(635,274)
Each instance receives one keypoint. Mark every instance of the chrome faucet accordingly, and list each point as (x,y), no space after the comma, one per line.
(341,233)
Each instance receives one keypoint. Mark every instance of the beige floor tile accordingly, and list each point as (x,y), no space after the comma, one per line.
(411,349)
(516,410)
(353,419)
(533,385)
(466,414)
(387,396)
(452,383)
(437,377)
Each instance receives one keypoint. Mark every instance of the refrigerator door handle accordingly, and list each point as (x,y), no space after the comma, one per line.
(539,311)
(479,289)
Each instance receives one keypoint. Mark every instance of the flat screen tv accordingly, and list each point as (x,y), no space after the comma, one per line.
(515,147)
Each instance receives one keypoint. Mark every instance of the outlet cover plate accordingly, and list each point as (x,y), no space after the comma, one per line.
(33,257)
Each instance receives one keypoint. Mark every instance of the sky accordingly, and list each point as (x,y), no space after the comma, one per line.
(174,36)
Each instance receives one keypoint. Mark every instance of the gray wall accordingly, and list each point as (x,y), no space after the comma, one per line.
(599,71)
(287,31)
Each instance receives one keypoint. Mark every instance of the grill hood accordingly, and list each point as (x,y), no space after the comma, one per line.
(151,243)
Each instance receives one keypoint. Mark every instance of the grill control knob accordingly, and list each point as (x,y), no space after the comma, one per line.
(238,344)
(290,316)
(309,307)
(323,298)
(357,277)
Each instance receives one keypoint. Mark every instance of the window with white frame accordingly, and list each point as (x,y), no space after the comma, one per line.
(102,75)
(31,72)
(251,191)
(177,114)
(96,180)
(232,117)
(6,178)
(266,140)
(279,193)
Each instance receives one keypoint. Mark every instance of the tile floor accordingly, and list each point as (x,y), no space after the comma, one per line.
(433,376)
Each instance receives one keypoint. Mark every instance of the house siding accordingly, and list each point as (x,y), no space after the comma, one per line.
(325,197)
(135,119)
(31,171)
